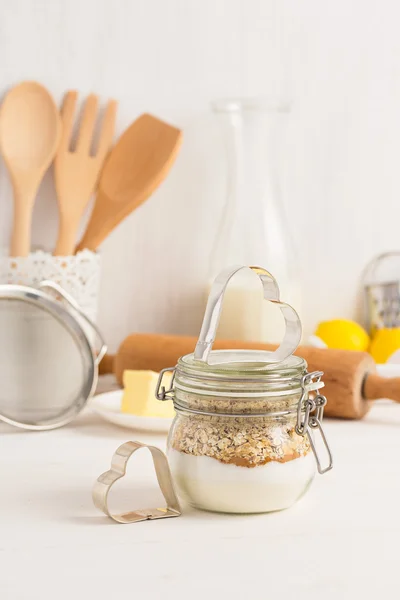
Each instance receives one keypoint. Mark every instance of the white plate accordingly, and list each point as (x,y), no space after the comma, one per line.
(108,406)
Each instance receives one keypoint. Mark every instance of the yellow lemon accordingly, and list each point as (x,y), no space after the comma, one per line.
(343,334)
(385,342)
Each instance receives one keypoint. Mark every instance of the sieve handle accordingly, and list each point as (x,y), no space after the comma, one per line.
(47,284)
(212,316)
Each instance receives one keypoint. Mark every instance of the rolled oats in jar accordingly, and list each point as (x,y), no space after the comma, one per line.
(242,439)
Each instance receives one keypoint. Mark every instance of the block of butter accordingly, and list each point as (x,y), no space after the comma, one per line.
(139,395)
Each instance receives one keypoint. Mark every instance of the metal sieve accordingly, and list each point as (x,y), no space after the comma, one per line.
(48,361)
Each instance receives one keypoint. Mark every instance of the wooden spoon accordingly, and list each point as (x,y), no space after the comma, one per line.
(29,133)
(77,172)
(136,166)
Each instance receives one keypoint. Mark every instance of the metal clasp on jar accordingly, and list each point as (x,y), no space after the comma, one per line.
(161,392)
(310,413)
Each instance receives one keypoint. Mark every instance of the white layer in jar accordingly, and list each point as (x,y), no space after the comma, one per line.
(208,484)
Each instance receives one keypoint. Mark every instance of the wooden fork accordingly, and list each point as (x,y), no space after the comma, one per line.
(77,172)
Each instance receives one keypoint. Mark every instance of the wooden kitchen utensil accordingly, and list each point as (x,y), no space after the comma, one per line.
(350,379)
(77,171)
(29,134)
(137,164)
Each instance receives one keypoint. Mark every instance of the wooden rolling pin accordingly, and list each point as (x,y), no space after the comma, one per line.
(351,383)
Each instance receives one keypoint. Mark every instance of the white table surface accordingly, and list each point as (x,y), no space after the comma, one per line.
(340,541)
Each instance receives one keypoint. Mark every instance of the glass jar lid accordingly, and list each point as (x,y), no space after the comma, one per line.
(253,378)
(217,365)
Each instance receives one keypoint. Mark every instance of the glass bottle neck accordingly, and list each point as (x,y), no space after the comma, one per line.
(251,146)
(252,223)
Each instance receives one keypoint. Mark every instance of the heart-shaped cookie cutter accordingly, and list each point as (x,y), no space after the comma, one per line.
(212,316)
(119,463)
(203,351)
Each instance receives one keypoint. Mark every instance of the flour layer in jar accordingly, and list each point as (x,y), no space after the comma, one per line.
(208,484)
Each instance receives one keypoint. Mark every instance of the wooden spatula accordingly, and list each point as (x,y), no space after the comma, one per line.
(77,172)
(29,135)
(136,166)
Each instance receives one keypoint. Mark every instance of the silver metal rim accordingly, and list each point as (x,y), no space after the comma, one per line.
(36,297)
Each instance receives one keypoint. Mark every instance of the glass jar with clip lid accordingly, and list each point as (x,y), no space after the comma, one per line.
(242,440)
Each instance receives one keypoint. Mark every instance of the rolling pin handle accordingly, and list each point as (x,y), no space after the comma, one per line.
(106,366)
(376,387)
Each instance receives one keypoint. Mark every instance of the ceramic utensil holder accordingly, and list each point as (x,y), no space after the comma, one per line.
(78,275)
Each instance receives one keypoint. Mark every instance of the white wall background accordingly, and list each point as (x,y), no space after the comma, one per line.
(339,62)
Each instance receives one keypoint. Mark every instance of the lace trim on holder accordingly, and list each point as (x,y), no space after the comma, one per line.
(78,275)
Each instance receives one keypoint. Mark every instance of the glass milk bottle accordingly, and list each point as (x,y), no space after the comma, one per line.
(253,227)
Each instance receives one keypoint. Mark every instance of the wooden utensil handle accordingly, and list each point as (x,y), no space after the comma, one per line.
(66,238)
(22,223)
(376,387)
(97,228)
